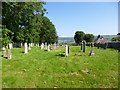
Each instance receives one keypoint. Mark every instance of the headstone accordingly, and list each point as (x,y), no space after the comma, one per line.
(29,46)
(106,45)
(66,53)
(84,46)
(55,46)
(9,54)
(10,45)
(4,53)
(68,49)
(92,49)
(48,47)
(42,46)
(25,48)
(21,44)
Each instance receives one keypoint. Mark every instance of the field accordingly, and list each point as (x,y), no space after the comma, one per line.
(42,69)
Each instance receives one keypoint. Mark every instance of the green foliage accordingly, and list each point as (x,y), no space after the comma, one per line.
(89,37)
(79,35)
(115,39)
(28,22)
(7,36)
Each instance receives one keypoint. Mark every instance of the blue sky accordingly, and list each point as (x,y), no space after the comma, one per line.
(89,17)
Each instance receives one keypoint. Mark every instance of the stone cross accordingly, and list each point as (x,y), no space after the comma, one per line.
(48,47)
(84,46)
(66,53)
(9,54)
(25,48)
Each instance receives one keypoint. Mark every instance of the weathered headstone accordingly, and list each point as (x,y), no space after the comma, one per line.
(48,47)
(4,53)
(45,45)
(92,49)
(54,46)
(66,53)
(25,48)
(29,46)
(42,46)
(106,45)
(9,54)
(68,49)
(84,46)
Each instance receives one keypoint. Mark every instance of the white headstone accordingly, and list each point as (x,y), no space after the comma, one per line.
(25,48)
(66,53)
(42,46)
(48,48)
(9,54)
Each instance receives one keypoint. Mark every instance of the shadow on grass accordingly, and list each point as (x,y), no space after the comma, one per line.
(4,57)
(61,55)
(45,50)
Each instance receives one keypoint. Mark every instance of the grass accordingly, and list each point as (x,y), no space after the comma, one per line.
(42,69)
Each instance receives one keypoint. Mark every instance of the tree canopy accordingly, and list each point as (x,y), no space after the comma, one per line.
(27,22)
(89,37)
(79,35)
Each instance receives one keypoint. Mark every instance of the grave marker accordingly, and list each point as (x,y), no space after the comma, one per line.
(42,46)
(84,46)
(48,48)
(92,49)
(66,53)
(9,54)
(25,48)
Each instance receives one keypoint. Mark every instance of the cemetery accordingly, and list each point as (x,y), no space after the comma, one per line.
(33,57)
(68,68)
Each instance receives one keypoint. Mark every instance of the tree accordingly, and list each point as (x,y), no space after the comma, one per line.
(79,35)
(115,39)
(89,37)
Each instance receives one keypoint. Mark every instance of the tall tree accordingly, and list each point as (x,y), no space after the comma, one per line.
(89,37)
(79,35)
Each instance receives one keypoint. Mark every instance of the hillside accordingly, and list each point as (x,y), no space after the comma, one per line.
(71,39)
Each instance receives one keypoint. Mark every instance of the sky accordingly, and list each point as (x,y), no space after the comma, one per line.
(90,17)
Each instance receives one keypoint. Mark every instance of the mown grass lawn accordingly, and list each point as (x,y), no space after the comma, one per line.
(42,69)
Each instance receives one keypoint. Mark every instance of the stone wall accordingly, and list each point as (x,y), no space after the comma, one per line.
(115,45)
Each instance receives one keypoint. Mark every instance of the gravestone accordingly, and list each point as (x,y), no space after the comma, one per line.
(45,45)
(66,53)
(106,45)
(92,49)
(29,46)
(48,47)
(9,54)
(68,49)
(25,48)
(4,52)
(84,46)
(54,46)
(42,46)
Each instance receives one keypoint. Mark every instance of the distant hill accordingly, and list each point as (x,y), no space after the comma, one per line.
(71,39)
